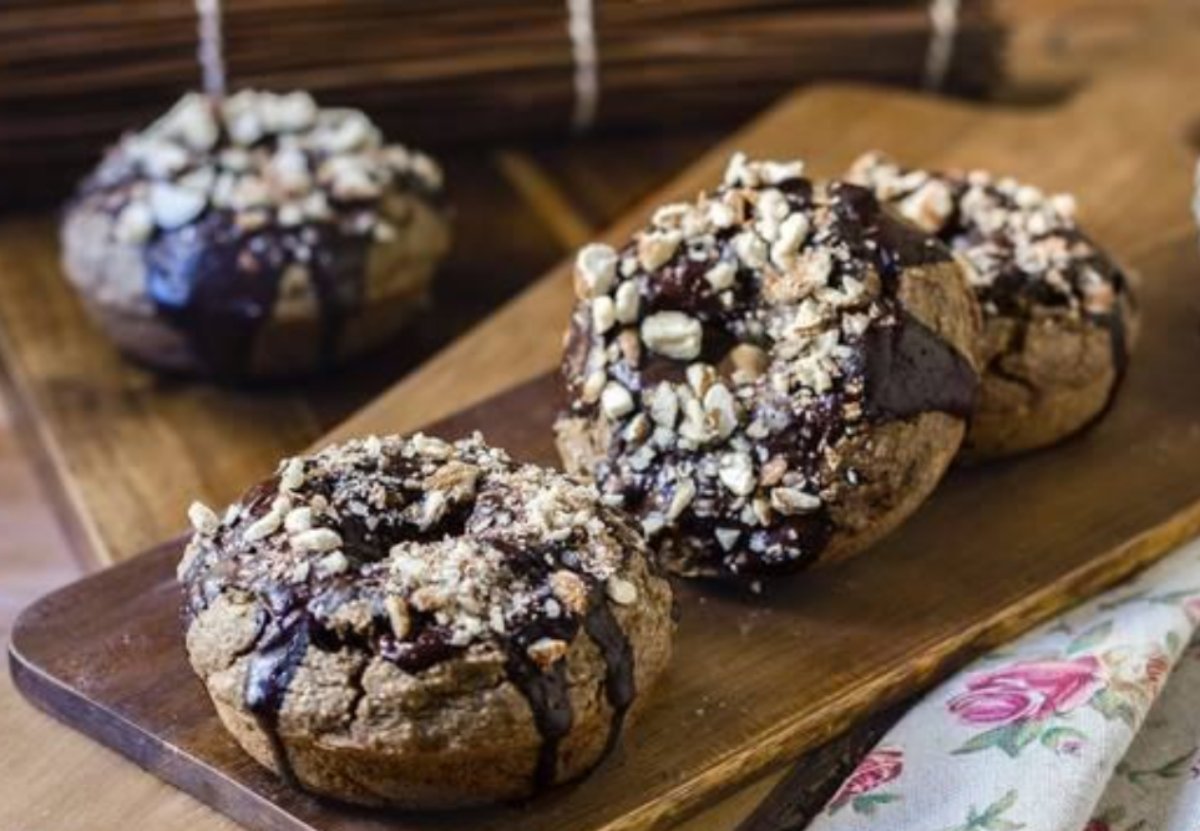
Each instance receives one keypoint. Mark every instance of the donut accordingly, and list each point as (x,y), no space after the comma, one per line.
(254,236)
(1059,315)
(771,375)
(423,624)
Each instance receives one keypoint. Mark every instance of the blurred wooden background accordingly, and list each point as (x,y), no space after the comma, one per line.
(523,204)
(74,73)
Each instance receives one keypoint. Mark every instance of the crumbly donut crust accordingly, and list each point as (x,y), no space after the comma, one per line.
(1059,314)
(419,623)
(254,235)
(722,364)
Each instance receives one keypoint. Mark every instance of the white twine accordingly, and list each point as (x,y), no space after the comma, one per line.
(943,15)
(210,50)
(581,27)
(1196,195)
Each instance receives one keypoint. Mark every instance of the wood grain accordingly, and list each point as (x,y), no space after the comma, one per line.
(757,681)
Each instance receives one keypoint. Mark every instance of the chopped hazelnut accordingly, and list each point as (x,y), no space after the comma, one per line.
(621,591)
(673,334)
(203,518)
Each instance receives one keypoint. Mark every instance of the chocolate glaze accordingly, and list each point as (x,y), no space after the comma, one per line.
(910,370)
(877,236)
(218,285)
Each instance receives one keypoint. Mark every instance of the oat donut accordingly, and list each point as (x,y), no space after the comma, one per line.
(423,624)
(258,236)
(1059,315)
(772,375)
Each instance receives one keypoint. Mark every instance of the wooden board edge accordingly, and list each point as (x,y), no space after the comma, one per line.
(180,770)
(793,738)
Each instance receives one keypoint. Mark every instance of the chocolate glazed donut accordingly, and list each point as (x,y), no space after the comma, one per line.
(258,235)
(423,624)
(773,375)
(1059,314)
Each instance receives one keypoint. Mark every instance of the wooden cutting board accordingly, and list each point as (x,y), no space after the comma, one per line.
(758,680)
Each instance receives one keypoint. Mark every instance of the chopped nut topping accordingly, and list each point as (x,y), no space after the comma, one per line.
(721,276)
(203,518)
(627,303)
(749,360)
(317,539)
(263,527)
(135,224)
(398,617)
(263,157)
(672,334)
(292,475)
(458,579)
(604,314)
(456,479)
(571,590)
(333,563)
(1003,229)
(621,591)
(298,519)
(792,501)
(593,386)
(656,248)
(596,269)
(737,473)
(664,406)
(546,652)
(615,401)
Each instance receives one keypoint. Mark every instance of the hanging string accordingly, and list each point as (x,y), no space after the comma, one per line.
(211,50)
(943,15)
(581,27)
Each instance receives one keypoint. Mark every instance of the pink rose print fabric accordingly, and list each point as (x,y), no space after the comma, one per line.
(863,790)
(1090,723)
(1027,690)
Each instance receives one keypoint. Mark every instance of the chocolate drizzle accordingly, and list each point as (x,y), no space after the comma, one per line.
(549,698)
(548,691)
(273,664)
(619,688)
(219,286)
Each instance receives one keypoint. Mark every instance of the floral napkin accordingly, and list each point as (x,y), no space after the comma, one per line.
(1071,728)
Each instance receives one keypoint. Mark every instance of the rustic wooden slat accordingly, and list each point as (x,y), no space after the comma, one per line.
(75,74)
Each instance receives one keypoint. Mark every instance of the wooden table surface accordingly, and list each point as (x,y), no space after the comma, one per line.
(52,778)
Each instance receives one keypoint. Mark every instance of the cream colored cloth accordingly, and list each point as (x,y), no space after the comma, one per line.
(1090,722)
